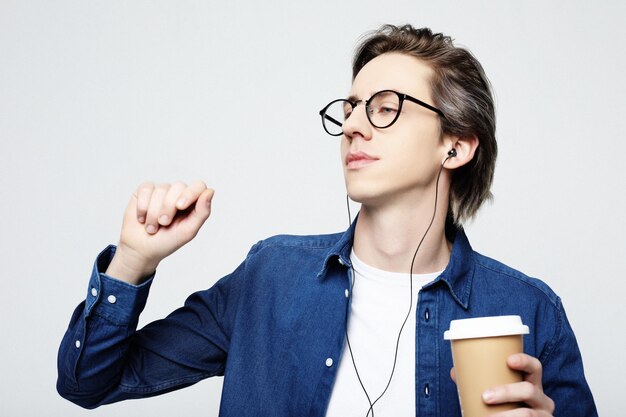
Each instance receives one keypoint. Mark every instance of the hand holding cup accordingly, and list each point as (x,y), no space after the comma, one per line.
(480,350)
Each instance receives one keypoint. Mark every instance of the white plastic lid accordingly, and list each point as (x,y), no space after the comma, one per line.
(485,327)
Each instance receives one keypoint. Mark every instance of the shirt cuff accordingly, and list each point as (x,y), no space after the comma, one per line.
(115,300)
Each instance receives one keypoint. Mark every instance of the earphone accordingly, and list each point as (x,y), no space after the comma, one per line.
(451,154)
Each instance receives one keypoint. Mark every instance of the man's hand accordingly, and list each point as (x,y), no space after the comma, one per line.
(529,391)
(158,220)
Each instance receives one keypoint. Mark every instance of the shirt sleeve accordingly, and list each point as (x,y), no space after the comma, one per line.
(563,375)
(104,359)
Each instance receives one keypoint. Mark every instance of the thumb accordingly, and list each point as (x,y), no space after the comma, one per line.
(201,211)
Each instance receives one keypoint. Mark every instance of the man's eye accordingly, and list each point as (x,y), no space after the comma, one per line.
(385,109)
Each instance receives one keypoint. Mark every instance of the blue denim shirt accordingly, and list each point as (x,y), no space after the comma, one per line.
(275,329)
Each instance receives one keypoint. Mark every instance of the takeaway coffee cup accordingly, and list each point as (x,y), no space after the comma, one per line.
(480,347)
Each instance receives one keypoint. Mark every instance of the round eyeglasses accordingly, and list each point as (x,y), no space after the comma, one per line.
(382,109)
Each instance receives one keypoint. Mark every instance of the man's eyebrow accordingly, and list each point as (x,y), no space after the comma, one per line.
(353,97)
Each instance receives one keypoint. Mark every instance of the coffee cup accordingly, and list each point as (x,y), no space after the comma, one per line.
(480,348)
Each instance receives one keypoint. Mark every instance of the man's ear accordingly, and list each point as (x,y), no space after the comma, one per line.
(465,147)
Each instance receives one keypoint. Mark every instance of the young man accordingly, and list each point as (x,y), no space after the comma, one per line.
(349,324)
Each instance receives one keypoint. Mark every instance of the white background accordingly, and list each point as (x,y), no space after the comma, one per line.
(98,96)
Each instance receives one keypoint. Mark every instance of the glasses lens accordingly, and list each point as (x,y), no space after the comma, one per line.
(335,115)
(383,108)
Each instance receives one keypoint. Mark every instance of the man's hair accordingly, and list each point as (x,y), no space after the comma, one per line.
(461,91)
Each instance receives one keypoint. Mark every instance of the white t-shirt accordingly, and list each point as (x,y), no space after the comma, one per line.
(380,303)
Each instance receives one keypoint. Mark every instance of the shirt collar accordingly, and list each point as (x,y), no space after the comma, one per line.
(457,276)
(459,272)
(340,251)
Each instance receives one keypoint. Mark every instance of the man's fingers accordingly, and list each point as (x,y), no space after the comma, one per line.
(529,391)
(190,195)
(159,205)
(520,392)
(511,393)
(529,365)
(522,412)
(154,207)
(201,211)
(168,207)
(453,375)
(143,195)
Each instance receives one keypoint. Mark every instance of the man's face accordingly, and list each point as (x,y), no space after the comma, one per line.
(401,161)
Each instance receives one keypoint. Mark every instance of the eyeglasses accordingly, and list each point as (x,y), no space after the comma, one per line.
(382,109)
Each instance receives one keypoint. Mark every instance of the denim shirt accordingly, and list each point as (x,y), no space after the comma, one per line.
(275,330)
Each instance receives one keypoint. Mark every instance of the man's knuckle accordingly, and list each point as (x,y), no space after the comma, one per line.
(198,185)
(145,186)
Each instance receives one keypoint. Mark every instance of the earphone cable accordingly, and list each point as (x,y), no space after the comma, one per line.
(395,358)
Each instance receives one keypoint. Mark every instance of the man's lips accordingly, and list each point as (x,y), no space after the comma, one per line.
(359,159)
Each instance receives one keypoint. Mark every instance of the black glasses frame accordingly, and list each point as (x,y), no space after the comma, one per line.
(353,104)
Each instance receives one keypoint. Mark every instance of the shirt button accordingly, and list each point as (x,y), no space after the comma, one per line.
(427,390)
(94,291)
(77,344)
(427,315)
(111,299)
(347,293)
(329,362)
(341,261)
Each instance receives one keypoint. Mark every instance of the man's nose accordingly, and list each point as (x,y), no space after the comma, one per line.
(357,124)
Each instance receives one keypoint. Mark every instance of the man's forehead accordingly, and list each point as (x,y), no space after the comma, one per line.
(392,71)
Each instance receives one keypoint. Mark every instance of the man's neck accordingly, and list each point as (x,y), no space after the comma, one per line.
(386,238)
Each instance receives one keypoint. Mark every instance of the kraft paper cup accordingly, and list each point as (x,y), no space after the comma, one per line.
(480,347)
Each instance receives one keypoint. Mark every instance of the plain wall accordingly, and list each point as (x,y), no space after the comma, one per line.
(98,96)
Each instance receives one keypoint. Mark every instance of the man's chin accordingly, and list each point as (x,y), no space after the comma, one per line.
(364,198)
